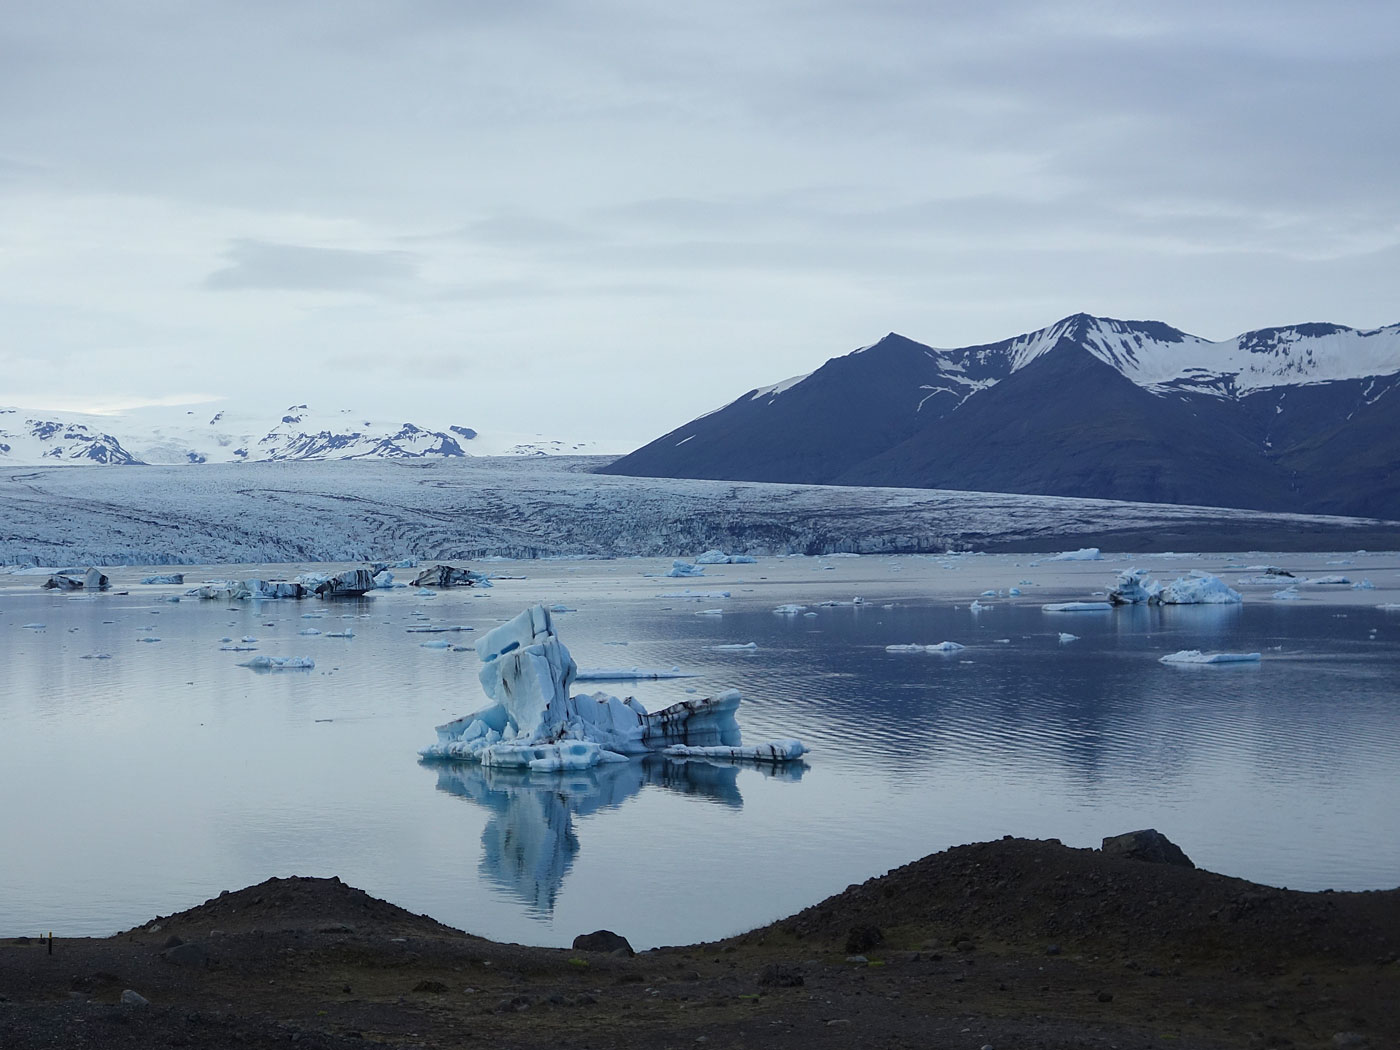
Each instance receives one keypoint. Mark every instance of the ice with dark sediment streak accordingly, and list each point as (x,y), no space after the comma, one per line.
(534,723)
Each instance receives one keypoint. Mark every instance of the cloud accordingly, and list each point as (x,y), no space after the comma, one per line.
(290,267)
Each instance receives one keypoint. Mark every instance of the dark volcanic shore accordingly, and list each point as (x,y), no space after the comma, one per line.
(1012,943)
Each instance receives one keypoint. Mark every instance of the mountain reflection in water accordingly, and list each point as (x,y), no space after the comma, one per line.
(529,843)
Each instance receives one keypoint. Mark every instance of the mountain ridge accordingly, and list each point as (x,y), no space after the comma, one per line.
(1269,420)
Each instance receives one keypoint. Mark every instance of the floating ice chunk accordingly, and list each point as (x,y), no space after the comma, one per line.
(694,594)
(1389,606)
(248,638)
(734,647)
(773,751)
(168,577)
(148,639)
(238,648)
(790,610)
(1364,585)
(423,592)
(279,663)
(681,568)
(988,594)
(937,647)
(96,656)
(628,674)
(450,576)
(308,631)
(1288,594)
(1083,554)
(713,557)
(347,633)
(33,626)
(1066,607)
(562,609)
(1066,638)
(709,612)
(1326,581)
(527,671)
(1200,588)
(1195,656)
(1014,592)
(436,629)
(977,606)
(436,643)
(1133,587)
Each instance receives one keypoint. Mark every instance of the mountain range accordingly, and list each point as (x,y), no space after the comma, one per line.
(1302,418)
(192,436)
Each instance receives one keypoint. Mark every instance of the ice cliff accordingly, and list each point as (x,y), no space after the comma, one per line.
(533,723)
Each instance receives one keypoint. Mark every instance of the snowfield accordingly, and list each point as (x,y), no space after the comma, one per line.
(530,508)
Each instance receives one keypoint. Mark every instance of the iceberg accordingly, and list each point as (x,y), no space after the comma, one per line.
(1135,587)
(1195,656)
(169,577)
(681,569)
(534,724)
(714,556)
(1083,554)
(940,647)
(449,576)
(91,580)
(279,663)
(1058,607)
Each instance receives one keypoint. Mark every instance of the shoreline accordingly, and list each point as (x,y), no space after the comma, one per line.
(1009,942)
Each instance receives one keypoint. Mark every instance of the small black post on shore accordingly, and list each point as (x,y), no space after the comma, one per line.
(51,942)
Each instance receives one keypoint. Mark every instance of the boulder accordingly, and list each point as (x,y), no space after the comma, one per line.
(602,941)
(1149,845)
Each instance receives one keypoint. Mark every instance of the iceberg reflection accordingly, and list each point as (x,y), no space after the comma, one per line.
(529,843)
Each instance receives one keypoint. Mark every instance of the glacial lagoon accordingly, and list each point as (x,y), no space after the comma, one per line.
(144,770)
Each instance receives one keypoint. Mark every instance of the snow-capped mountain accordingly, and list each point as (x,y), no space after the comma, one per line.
(1298,418)
(214,435)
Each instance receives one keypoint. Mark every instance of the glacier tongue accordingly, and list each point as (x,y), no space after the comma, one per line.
(533,723)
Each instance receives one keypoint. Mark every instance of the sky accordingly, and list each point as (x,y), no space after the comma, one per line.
(602,219)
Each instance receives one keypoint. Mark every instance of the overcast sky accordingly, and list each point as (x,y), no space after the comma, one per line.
(602,219)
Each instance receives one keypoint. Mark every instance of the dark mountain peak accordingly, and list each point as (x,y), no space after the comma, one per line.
(1267,340)
(892,343)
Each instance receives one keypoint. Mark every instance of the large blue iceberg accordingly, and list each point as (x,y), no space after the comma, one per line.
(533,723)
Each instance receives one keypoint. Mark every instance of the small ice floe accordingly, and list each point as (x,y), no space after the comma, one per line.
(313,616)
(247,638)
(308,631)
(148,639)
(718,557)
(978,607)
(735,647)
(437,629)
(423,592)
(562,609)
(450,576)
(709,612)
(1014,592)
(238,648)
(1363,585)
(773,751)
(96,656)
(1072,607)
(1327,581)
(681,569)
(1066,638)
(534,725)
(1083,554)
(832,603)
(628,674)
(694,594)
(790,610)
(279,663)
(937,647)
(33,626)
(1288,594)
(1195,656)
(988,594)
(168,577)
(436,643)
(347,633)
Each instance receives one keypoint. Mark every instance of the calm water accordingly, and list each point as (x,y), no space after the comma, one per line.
(146,782)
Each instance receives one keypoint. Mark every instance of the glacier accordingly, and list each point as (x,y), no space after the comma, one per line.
(534,724)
